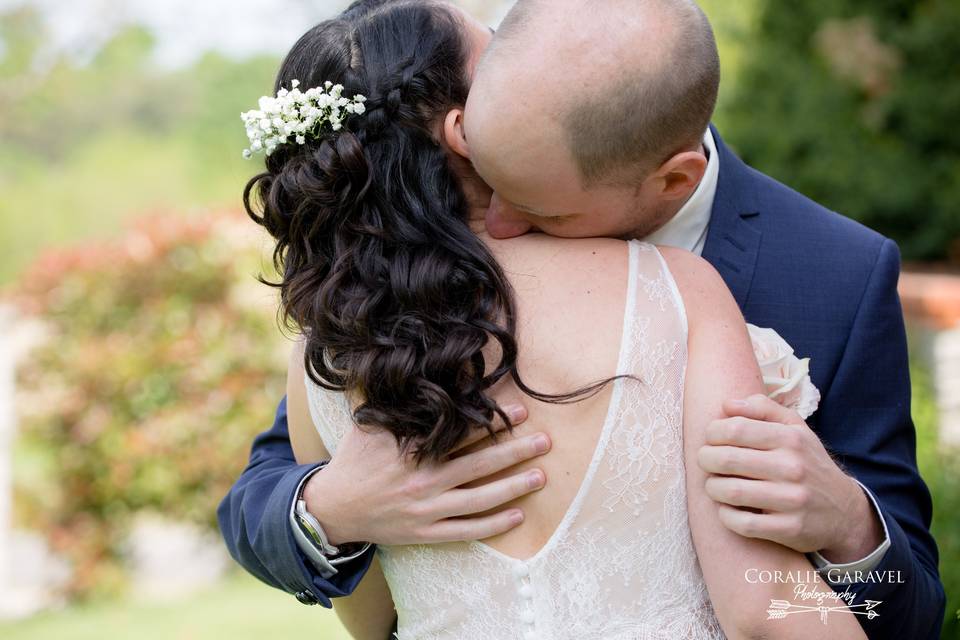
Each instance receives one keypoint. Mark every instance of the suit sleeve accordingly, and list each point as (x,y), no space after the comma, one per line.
(254,521)
(867,423)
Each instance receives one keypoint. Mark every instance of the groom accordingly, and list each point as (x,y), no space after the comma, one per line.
(588,119)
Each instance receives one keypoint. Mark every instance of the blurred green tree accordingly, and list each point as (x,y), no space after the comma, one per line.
(88,144)
(853,103)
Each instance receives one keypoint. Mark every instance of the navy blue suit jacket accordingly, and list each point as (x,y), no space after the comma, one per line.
(828,286)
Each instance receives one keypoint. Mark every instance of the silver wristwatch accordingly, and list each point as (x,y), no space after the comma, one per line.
(313,541)
(311,526)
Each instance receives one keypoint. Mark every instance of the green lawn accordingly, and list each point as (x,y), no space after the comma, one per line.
(240,609)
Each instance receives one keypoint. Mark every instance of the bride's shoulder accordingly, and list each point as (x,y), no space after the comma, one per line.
(704,292)
(687,265)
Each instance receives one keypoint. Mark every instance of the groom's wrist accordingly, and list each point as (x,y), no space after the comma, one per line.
(311,537)
(861,539)
(321,497)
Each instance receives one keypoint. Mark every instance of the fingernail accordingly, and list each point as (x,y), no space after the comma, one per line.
(535,479)
(516,413)
(516,517)
(541,443)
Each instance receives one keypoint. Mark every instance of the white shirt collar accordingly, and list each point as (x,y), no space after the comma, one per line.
(688,229)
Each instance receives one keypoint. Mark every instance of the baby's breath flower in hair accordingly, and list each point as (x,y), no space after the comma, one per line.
(296,115)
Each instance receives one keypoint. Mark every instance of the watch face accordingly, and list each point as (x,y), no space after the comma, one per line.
(310,530)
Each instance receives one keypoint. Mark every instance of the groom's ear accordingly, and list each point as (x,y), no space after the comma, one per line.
(453,133)
(679,176)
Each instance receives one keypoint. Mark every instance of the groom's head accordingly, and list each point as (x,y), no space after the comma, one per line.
(587,116)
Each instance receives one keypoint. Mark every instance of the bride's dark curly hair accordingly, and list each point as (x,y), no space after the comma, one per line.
(395,296)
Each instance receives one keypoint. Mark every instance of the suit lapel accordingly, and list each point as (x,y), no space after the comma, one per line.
(733,240)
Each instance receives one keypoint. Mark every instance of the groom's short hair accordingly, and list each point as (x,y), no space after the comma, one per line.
(631,119)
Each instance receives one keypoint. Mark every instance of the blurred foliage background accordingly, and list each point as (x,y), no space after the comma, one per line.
(849,102)
(87,146)
(121,181)
(156,349)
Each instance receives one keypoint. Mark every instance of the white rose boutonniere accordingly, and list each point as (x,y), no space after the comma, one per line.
(785,376)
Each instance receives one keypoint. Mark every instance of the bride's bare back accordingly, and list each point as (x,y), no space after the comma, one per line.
(570,298)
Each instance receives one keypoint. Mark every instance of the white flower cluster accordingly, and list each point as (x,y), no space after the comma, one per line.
(298,114)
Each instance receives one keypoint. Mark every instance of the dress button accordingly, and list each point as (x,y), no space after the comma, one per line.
(526,591)
(305,597)
(521,570)
(528,616)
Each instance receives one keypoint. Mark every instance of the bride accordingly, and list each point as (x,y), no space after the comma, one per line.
(415,320)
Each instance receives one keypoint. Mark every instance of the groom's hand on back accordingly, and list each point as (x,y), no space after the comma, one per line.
(370,493)
(773,479)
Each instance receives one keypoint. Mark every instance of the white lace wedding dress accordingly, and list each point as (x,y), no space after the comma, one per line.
(621,564)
